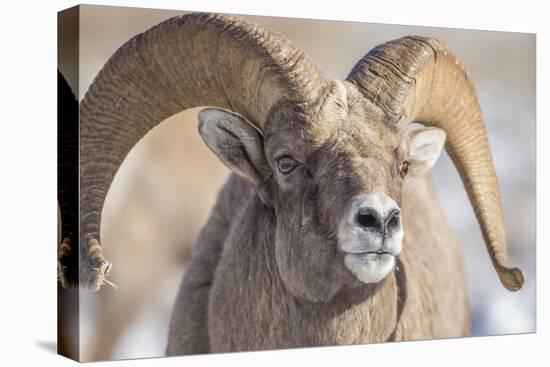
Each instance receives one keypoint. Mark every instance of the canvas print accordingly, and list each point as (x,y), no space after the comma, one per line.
(232,183)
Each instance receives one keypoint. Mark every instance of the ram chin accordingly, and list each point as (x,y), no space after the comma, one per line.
(370,267)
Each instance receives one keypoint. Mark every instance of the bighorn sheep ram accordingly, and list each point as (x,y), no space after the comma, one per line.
(329,231)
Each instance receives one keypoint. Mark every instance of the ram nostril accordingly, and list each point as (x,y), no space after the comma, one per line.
(368,219)
(392,221)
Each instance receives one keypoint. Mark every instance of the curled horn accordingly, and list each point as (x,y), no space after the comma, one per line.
(416,79)
(188,61)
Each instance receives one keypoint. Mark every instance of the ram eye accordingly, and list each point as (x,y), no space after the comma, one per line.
(286,164)
(403,169)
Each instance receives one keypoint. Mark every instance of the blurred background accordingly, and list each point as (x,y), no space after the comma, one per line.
(164,190)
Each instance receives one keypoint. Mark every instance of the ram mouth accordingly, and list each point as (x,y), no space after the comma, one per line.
(376,252)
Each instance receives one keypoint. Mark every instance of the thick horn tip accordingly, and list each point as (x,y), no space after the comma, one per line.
(511,278)
(66,274)
(94,269)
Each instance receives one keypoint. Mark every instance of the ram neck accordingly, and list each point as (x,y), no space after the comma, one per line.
(249,291)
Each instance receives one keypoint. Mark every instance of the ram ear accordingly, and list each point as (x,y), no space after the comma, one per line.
(425,146)
(236,142)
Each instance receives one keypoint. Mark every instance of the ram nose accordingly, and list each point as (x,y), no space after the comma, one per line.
(373,224)
(373,219)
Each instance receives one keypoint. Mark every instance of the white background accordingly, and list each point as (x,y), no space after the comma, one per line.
(28,179)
